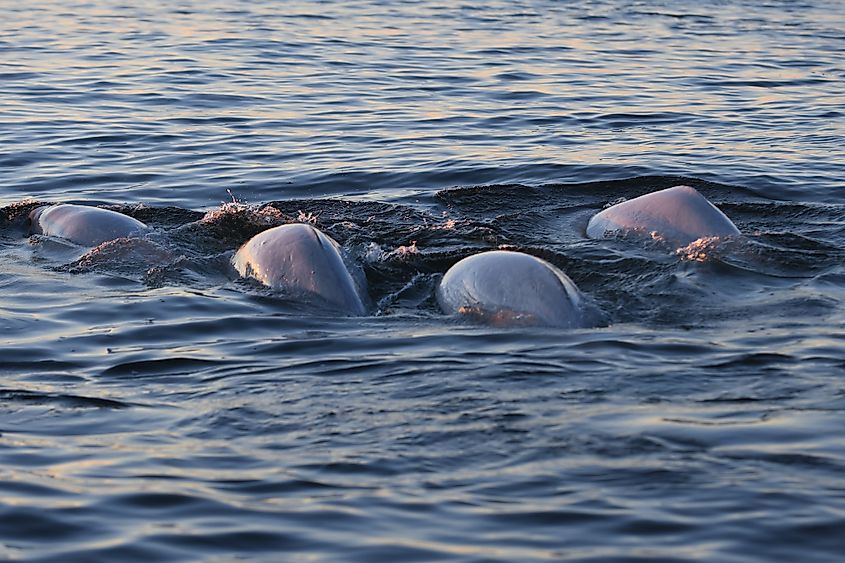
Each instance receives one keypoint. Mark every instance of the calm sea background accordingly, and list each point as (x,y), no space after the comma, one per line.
(153,407)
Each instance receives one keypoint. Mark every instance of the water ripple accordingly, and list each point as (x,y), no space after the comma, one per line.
(155,407)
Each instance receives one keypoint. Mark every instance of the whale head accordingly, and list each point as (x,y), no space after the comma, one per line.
(300,260)
(83,224)
(506,288)
(677,216)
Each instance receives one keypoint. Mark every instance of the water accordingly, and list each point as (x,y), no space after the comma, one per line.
(155,407)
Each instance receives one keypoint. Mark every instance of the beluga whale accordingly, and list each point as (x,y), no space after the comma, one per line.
(677,216)
(507,288)
(298,259)
(84,225)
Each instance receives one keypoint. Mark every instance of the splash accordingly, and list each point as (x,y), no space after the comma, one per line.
(18,213)
(700,250)
(234,199)
(448,225)
(261,216)
(374,253)
(308,218)
(403,252)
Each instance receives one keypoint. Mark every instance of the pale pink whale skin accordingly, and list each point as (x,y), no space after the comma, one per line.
(506,288)
(299,259)
(678,215)
(83,224)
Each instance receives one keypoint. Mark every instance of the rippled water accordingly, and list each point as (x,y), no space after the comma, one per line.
(155,407)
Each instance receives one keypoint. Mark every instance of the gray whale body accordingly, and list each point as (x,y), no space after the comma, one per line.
(677,215)
(84,225)
(506,288)
(300,260)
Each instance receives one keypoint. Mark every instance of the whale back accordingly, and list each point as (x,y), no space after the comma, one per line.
(678,215)
(299,259)
(510,288)
(84,225)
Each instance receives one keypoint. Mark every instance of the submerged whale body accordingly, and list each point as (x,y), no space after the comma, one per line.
(678,215)
(299,259)
(508,288)
(84,225)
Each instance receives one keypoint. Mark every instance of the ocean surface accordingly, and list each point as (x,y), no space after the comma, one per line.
(154,407)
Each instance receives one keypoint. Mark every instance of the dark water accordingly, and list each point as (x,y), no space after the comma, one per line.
(153,407)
